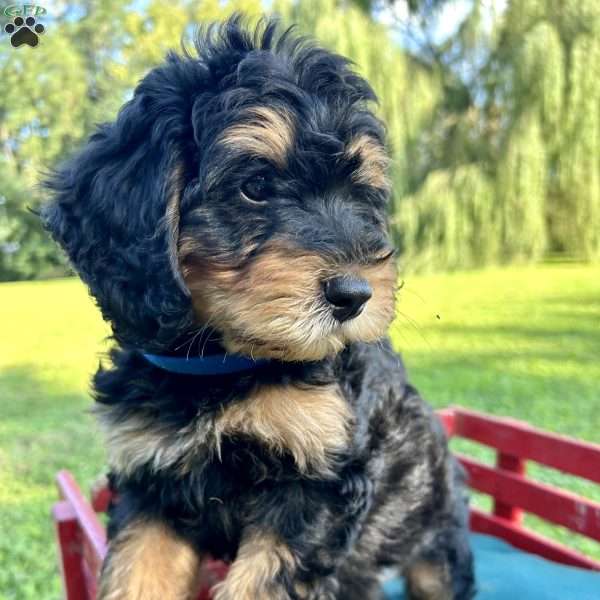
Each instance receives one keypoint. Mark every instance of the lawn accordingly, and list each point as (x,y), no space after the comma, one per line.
(523,342)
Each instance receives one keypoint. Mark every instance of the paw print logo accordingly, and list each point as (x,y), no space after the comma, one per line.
(24,31)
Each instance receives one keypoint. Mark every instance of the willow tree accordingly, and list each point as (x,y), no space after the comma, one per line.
(529,134)
(494,132)
(578,188)
(551,54)
(42,99)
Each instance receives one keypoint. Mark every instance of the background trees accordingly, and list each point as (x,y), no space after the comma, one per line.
(494,127)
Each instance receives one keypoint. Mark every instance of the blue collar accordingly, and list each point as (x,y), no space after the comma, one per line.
(218,364)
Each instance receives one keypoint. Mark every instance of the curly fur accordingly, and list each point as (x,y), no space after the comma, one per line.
(324,466)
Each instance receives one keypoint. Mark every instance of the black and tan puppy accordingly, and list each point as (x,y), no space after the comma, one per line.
(236,211)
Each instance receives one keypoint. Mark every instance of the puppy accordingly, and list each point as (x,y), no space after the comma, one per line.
(231,225)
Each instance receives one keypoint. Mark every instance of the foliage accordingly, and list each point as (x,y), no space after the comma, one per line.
(551,54)
(451,220)
(529,128)
(494,129)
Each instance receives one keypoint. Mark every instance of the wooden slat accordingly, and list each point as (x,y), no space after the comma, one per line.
(92,560)
(447,417)
(552,504)
(507,510)
(94,535)
(101,495)
(529,541)
(68,535)
(91,579)
(519,439)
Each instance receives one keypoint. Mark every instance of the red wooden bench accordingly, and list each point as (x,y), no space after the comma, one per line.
(82,537)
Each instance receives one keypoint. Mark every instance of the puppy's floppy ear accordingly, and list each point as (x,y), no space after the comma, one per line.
(115,208)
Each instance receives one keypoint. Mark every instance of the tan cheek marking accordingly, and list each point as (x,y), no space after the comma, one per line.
(254,573)
(311,423)
(267,133)
(147,560)
(374,162)
(274,303)
(273,308)
(383,280)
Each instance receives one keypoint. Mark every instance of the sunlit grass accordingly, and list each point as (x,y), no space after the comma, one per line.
(520,342)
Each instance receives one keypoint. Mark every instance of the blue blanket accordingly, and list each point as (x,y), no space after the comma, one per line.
(505,573)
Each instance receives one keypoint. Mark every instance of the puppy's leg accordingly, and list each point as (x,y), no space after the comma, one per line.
(266,569)
(263,568)
(445,572)
(428,579)
(359,581)
(148,561)
(444,569)
(293,553)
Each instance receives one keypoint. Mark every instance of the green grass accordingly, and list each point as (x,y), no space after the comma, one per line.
(51,339)
(522,342)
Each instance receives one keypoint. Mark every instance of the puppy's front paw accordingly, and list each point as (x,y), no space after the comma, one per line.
(148,561)
(262,564)
(428,581)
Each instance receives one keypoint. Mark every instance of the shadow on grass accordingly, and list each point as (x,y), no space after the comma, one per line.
(587,335)
(583,300)
(506,384)
(546,374)
(43,429)
(27,393)
(28,554)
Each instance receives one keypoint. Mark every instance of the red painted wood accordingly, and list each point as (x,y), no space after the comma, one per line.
(503,507)
(529,541)
(212,571)
(93,538)
(91,580)
(447,417)
(101,497)
(520,439)
(552,504)
(92,557)
(68,536)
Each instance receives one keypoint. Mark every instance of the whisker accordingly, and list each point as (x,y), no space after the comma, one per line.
(415,326)
(199,332)
(423,301)
(208,338)
(395,329)
(190,340)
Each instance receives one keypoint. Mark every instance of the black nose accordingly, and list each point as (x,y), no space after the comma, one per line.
(348,296)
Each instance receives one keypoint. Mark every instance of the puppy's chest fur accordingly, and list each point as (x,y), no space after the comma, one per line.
(311,424)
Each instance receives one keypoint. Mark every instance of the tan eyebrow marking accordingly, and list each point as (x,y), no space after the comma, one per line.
(374,162)
(267,133)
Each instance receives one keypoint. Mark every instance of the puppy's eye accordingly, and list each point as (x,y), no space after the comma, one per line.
(255,189)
